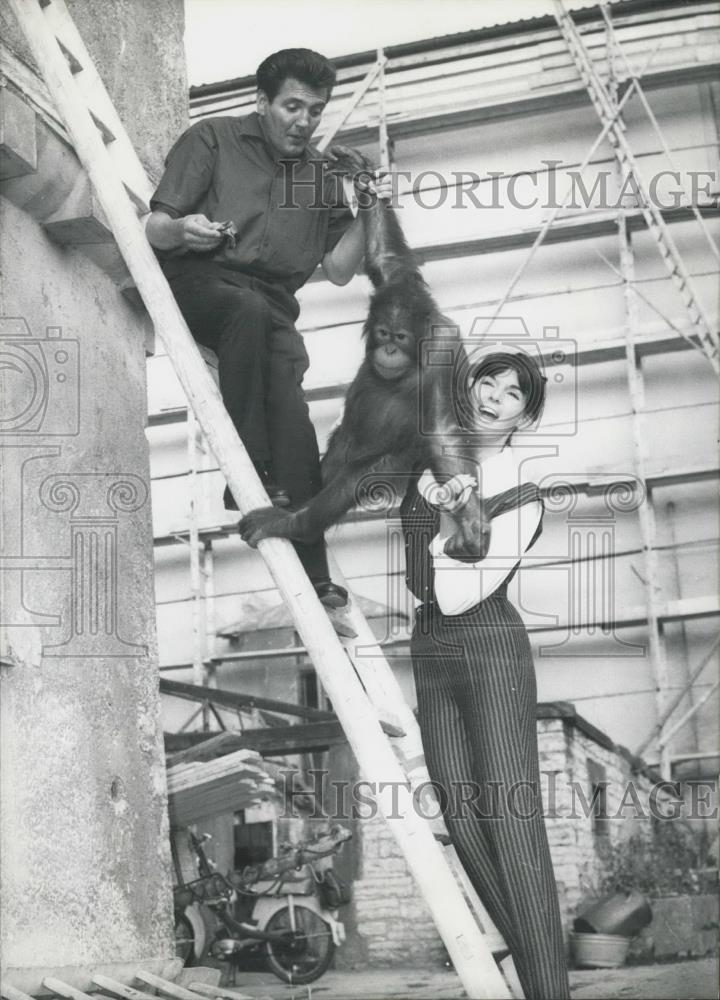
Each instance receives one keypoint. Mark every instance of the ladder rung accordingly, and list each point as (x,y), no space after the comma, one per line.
(74,64)
(138,201)
(102,128)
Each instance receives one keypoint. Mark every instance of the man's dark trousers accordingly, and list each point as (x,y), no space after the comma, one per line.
(250,324)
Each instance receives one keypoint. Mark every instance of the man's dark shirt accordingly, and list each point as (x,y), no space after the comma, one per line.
(224,168)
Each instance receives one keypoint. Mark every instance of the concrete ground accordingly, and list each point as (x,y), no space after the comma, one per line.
(688,980)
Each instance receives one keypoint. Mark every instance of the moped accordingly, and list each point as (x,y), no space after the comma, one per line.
(283,911)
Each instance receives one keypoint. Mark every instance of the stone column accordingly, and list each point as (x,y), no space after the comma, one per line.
(85,882)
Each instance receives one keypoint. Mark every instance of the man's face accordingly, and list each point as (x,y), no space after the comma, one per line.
(292,117)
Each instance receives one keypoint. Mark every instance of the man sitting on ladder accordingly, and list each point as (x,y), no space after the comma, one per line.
(241,218)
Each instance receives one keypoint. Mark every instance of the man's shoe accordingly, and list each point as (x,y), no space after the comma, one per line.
(341,623)
(278,497)
(331,595)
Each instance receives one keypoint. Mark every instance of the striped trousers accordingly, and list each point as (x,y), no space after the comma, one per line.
(476,693)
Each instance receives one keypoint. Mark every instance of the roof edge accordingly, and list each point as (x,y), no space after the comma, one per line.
(581,16)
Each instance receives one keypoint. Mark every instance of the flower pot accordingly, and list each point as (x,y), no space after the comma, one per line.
(599,951)
(623,913)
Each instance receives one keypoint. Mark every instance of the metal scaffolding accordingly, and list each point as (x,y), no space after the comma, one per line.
(609,100)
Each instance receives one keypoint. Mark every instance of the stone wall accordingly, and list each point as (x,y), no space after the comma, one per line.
(84,854)
(389,914)
(565,749)
(137,47)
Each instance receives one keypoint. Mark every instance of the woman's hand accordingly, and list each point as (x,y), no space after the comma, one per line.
(449,496)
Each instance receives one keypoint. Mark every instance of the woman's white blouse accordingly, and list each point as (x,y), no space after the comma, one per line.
(459,586)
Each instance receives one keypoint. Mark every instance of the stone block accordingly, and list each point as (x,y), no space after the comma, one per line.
(80,218)
(684,926)
(18,150)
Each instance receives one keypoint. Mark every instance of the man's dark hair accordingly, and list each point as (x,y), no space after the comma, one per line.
(299,64)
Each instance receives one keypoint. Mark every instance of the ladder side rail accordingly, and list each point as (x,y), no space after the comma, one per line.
(196,588)
(383,688)
(90,84)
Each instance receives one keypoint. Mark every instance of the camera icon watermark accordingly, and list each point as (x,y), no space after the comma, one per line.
(40,381)
(452,366)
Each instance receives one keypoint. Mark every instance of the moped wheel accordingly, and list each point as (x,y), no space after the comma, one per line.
(184,940)
(306,952)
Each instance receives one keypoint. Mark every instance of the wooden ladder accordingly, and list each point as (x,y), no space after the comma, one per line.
(356,689)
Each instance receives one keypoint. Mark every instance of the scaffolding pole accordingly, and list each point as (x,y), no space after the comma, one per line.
(384,146)
(636,386)
(657,731)
(352,102)
(602,102)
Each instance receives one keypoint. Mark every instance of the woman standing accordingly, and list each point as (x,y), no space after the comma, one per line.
(475,679)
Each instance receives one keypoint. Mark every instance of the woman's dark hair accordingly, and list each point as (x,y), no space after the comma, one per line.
(299,64)
(530,378)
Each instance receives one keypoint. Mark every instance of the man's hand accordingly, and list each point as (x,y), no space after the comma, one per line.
(199,233)
(380,184)
(342,262)
(191,232)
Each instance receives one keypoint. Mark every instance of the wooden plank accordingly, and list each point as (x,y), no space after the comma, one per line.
(219,992)
(232,699)
(188,807)
(200,975)
(120,989)
(13,993)
(181,748)
(275,742)
(242,763)
(64,990)
(165,986)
